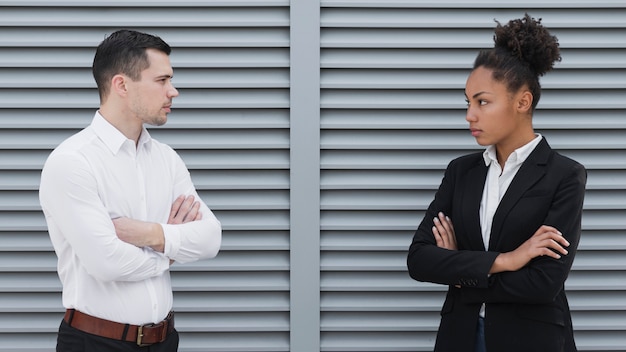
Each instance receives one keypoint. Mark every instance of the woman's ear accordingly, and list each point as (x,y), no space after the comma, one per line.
(525,102)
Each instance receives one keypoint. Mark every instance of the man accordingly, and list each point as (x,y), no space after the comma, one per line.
(121,207)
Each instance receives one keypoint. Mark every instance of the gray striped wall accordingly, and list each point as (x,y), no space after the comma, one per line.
(318,132)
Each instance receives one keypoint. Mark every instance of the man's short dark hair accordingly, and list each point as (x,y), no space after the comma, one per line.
(124,51)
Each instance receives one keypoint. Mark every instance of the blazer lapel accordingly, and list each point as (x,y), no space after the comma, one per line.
(474,184)
(531,171)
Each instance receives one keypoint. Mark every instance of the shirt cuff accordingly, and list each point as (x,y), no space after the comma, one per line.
(172,240)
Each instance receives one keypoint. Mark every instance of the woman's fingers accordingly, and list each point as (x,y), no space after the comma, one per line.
(443,231)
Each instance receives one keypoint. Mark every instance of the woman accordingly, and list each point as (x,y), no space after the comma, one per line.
(503,228)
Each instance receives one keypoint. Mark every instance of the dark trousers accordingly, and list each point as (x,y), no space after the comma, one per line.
(480,336)
(74,340)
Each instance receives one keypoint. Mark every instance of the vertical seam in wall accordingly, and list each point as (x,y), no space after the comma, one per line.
(305,176)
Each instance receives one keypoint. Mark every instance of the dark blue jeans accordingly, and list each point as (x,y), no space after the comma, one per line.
(480,336)
(74,340)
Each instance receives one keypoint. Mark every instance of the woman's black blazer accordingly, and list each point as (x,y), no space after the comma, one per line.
(526,310)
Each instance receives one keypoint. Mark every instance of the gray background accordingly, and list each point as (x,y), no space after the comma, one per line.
(318,132)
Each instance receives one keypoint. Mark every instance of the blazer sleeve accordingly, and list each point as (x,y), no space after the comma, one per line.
(543,278)
(429,263)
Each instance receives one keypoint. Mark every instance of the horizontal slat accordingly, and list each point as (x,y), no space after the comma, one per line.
(223,138)
(145,3)
(456,58)
(26,241)
(363,240)
(380,179)
(430,179)
(245,159)
(184,78)
(231,220)
(371,260)
(600,340)
(450,139)
(375,200)
(236,342)
(415,301)
(188,99)
(176,37)
(373,281)
(181,57)
(178,119)
(233,301)
(29,302)
(488,4)
(231,281)
(177,139)
(30,241)
(417,159)
(407,199)
(383,281)
(240,260)
(200,16)
(394,78)
(589,38)
(452,99)
(34,282)
(404,219)
(461,18)
(600,321)
(380,321)
(374,341)
(232,322)
(240,179)
(452,119)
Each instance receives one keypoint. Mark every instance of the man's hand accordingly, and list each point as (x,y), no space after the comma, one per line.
(443,230)
(184,209)
(140,233)
(148,234)
(547,241)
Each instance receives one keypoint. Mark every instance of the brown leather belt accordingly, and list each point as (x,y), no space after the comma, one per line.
(143,335)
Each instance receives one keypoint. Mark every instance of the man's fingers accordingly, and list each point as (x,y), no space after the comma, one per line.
(183,210)
(176,207)
(192,213)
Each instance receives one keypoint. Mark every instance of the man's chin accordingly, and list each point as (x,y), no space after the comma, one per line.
(160,121)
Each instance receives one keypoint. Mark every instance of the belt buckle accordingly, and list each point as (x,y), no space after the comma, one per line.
(140,336)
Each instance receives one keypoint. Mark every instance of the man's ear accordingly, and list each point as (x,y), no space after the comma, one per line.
(118,85)
(525,102)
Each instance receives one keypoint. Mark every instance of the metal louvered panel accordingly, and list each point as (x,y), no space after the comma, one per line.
(230,124)
(392,117)
(392,82)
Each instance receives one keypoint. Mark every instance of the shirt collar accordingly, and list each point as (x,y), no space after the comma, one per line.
(112,137)
(518,156)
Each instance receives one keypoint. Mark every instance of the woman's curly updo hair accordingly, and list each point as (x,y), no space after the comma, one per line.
(524,50)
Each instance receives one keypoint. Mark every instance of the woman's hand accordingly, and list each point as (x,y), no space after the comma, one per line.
(547,241)
(443,230)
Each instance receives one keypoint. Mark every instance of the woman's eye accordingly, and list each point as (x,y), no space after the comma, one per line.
(482,102)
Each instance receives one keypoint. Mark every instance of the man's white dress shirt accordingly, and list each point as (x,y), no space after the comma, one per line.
(497,182)
(98,175)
